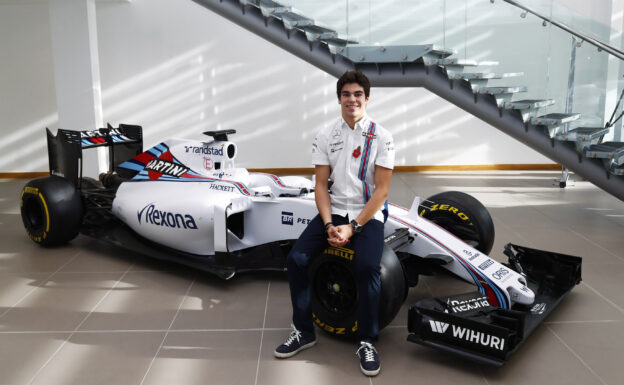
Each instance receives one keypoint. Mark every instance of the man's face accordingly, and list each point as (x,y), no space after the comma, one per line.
(353,101)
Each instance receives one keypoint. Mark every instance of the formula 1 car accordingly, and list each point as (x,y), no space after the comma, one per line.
(184,200)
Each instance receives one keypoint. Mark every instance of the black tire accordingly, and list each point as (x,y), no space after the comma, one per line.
(461,215)
(334,295)
(51,210)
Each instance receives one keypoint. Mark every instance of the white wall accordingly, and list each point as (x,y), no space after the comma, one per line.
(177,69)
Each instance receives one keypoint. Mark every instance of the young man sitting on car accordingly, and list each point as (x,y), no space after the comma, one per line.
(357,155)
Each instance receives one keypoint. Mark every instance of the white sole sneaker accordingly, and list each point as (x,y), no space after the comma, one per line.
(370,373)
(287,355)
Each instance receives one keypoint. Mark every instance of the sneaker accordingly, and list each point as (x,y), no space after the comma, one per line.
(369,359)
(296,342)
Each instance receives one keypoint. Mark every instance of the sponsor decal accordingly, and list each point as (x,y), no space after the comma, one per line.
(341,252)
(452,209)
(336,144)
(472,255)
(222,187)
(486,264)
(97,133)
(468,335)
(336,133)
(221,174)
(208,164)
(161,166)
(206,150)
(468,304)
(389,146)
(369,135)
(538,308)
(500,273)
(287,218)
(31,190)
(156,217)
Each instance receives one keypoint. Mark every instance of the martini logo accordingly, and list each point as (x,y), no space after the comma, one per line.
(164,165)
(156,217)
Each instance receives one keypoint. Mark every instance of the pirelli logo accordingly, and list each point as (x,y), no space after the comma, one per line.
(340,252)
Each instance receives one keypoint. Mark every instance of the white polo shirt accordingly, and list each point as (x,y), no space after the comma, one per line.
(352,156)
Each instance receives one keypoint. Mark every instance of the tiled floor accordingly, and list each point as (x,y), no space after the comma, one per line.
(89,313)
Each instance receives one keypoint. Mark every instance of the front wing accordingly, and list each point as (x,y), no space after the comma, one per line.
(469,326)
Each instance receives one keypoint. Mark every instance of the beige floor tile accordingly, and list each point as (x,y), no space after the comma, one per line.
(607,282)
(98,256)
(15,286)
(404,362)
(216,304)
(599,345)
(60,303)
(542,359)
(101,358)
(206,358)
(22,355)
(330,362)
(141,301)
(582,304)
(279,307)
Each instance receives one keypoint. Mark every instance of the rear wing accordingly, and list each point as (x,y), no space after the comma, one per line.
(65,149)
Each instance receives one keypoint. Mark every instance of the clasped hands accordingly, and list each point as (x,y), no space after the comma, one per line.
(339,235)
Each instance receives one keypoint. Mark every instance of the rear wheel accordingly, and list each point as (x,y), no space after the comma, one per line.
(51,210)
(334,294)
(463,216)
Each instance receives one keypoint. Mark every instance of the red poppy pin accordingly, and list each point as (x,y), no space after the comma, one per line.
(356,152)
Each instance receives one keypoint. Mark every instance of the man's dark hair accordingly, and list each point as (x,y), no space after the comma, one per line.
(353,77)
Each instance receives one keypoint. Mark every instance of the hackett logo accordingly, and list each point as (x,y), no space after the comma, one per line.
(157,217)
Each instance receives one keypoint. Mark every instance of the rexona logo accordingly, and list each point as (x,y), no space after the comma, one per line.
(469,304)
(157,217)
(206,150)
(166,167)
(469,335)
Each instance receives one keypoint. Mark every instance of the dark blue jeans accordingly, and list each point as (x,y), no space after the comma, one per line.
(368,247)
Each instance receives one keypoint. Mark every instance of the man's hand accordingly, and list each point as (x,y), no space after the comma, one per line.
(339,235)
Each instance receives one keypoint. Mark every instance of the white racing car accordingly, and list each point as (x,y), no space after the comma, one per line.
(184,200)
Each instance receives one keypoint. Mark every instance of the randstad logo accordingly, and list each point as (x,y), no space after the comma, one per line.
(157,217)
(206,150)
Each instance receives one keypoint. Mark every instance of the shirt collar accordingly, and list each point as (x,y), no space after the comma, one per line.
(361,125)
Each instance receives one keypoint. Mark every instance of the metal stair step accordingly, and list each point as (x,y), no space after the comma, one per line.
(455,62)
(293,20)
(393,54)
(607,150)
(554,120)
(483,75)
(501,90)
(272,8)
(615,170)
(583,134)
(529,104)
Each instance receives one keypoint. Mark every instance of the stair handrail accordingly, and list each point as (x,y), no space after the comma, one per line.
(595,42)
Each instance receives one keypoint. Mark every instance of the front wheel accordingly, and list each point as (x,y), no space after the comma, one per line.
(334,294)
(51,210)
(461,215)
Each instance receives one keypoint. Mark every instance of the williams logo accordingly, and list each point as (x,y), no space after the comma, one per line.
(166,167)
(486,264)
(149,214)
(287,218)
(438,327)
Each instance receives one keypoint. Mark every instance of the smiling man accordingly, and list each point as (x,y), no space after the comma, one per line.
(357,155)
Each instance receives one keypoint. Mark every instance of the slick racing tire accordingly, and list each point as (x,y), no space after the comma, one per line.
(334,294)
(461,215)
(51,210)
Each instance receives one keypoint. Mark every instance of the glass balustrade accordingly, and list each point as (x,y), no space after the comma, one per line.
(502,38)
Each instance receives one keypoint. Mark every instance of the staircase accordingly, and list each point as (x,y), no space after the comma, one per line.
(580,149)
